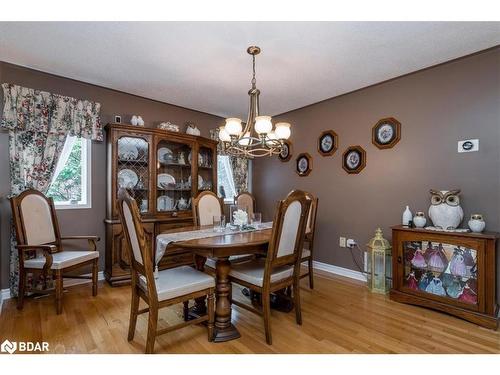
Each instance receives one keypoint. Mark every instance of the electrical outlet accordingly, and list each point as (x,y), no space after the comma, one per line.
(351,242)
(342,242)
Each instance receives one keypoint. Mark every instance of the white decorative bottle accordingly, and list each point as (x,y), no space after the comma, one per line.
(140,121)
(134,120)
(407,216)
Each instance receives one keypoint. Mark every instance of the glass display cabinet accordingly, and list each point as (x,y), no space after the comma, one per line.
(447,271)
(162,171)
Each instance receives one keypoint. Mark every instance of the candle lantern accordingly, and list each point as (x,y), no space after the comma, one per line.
(379,254)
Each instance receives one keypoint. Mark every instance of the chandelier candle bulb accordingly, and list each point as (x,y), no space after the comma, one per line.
(224,135)
(271,135)
(263,124)
(283,130)
(233,126)
(245,141)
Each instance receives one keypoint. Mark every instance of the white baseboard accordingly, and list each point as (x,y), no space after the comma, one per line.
(340,271)
(5,293)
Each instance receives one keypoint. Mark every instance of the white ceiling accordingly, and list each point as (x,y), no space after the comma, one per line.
(204,65)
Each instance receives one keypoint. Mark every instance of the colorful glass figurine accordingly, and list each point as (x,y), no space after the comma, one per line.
(468,258)
(457,264)
(412,281)
(424,280)
(454,289)
(468,295)
(436,258)
(436,287)
(418,260)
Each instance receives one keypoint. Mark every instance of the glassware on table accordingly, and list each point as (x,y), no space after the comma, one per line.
(256,220)
(219,222)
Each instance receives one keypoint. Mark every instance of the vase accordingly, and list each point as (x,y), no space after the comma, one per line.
(140,121)
(134,120)
(477,223)
(407,216)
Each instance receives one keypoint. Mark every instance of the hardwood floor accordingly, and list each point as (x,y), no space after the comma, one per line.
(339,316)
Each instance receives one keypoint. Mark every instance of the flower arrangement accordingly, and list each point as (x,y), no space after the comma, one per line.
(240,218)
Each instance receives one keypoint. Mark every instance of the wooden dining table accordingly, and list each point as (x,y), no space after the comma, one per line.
(221,248)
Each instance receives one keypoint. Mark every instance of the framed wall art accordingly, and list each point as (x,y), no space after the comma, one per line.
(304,164)
(386,133)
(327,143)
(286,153)
(354,159)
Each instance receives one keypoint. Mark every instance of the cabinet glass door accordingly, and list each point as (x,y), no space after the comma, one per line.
(441,269)
(173,185)
(133,169)
(205,169)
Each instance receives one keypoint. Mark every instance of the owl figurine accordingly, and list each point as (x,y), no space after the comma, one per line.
(445,211)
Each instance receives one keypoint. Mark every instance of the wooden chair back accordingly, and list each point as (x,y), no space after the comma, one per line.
(311,218)
(247,200)
(287,238)
(138,246)
(35,219)
(206,205)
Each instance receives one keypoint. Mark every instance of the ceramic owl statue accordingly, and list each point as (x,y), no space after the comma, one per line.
(445,210)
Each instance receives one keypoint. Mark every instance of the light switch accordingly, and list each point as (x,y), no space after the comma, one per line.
(468,145)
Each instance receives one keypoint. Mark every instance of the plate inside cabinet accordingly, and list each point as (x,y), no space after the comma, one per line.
(165,179)
(127,178)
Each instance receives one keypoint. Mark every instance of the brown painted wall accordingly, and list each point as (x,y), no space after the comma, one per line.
(437,107)
(85,221)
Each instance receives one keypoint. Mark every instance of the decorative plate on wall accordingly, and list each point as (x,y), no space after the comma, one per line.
(354,159)
(386,133)
(304,164)
(327,143)
(286,153)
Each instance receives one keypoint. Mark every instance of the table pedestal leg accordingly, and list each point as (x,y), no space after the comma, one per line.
(224,330)
(200,307)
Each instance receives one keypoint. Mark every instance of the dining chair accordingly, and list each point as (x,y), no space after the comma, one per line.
(247,200)
(280,268)
(206,205)
(171,286)
(307,252)
(40,246)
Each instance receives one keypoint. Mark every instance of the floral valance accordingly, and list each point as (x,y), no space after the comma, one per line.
(38,111)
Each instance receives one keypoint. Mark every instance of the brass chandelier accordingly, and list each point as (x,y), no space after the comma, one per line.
(257,138)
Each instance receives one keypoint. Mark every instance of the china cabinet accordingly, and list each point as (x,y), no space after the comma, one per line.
(447,271)
(162,171)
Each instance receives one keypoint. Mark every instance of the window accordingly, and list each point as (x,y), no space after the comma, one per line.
(70,187)
(225,180)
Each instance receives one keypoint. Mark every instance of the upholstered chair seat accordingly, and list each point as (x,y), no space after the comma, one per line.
(253,272)
(64,259)
(178,281)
